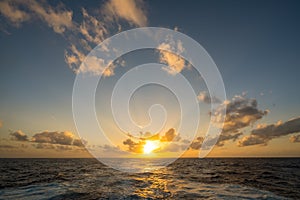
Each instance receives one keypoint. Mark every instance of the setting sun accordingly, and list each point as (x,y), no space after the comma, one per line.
(150,146)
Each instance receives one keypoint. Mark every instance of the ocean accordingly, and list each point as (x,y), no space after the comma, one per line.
(187,178)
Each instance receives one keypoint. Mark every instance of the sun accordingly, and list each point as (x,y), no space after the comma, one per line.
(150,146)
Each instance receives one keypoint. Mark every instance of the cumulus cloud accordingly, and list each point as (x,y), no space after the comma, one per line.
(197,143)
(238,113)
(169,136)
(295,138)
(65,138)
(168,55)
(19,136)
(97,66)
(79,142)
(136,147)
(206,98)
(264,133)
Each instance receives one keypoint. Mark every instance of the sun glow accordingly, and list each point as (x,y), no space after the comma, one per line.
(150,146)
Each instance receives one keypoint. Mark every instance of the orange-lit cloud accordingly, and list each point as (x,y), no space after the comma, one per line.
(59,19)
(168,55)
(82,35)
(264,133)
(19,136)
(206,98)
(132,11)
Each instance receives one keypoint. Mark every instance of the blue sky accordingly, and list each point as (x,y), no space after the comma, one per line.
(255,45)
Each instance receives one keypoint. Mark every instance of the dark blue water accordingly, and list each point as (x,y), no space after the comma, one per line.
(232,178)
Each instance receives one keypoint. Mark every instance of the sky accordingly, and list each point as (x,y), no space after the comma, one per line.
(255,45)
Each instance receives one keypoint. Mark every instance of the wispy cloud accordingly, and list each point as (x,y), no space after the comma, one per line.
(58,18)
(132,11)
(11,10)
(82,34)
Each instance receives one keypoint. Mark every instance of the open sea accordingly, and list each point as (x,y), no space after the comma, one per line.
(209,178)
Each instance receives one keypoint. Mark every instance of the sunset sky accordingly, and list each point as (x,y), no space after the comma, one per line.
(255,45)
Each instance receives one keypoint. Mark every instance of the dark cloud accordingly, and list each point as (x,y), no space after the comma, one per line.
(264,133)
(65,138)
(50,140)
(295,138)
(218,141)
(238,113)
(169,136)
(197,143)
(56,147)
(206,98)
(19,136)
(136,147)
(79,142)
(5,146)
(44,146)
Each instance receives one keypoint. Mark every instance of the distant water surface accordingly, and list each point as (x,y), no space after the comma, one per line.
(216,178)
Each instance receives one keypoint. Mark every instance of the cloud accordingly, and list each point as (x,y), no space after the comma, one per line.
(168,54)
(264,133)
(12,12)
(197,143)
(206,98)
(238,113)
(5,146)
(295,138)
(169,136)
(79,142)
(97,66)
(19,136)
(59,19)
(83,34)
(56,147)
(64,138)
(132,11)
(112,150)
(136,147)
